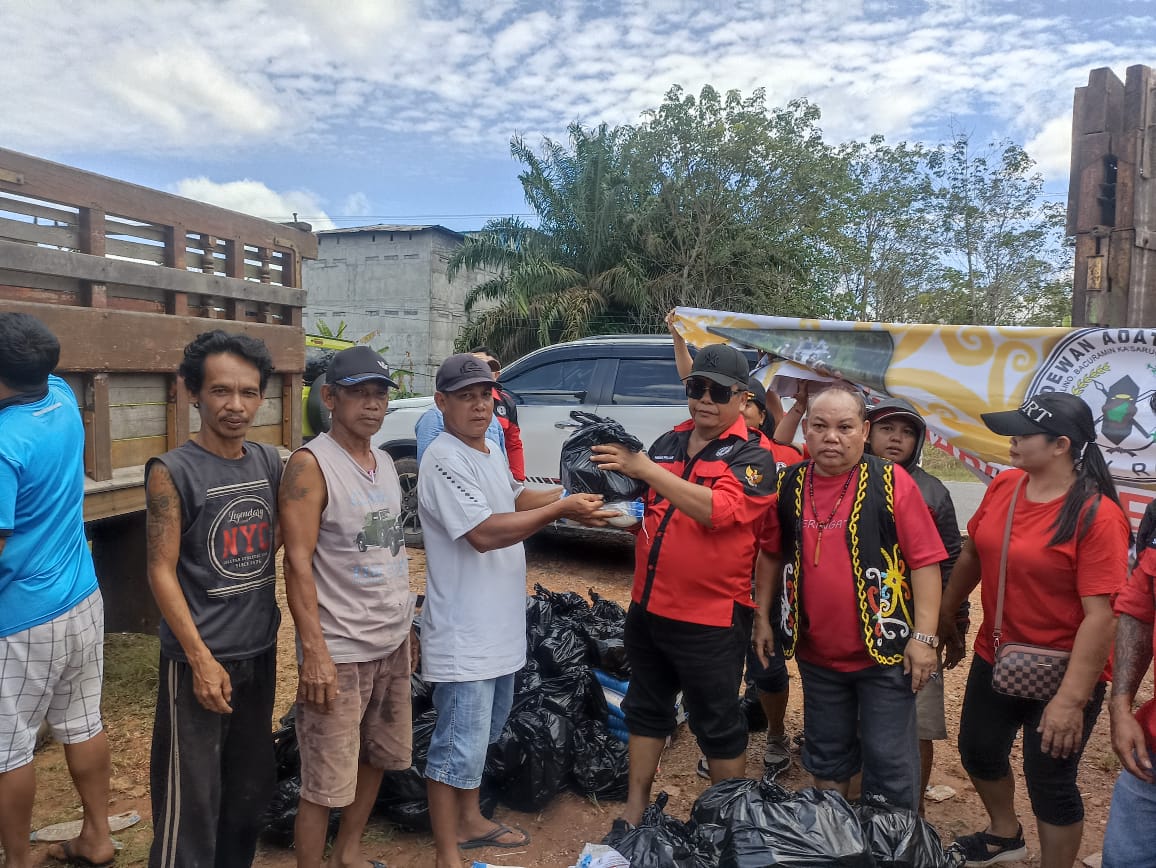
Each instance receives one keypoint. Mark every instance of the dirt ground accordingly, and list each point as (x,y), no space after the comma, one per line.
(559,832)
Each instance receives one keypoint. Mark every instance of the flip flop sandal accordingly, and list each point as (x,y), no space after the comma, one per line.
(71,857)
(490,839)
(976,848)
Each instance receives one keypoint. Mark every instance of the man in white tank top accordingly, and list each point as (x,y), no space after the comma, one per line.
(347,583)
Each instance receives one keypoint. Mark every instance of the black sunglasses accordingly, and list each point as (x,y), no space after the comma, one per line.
(696,387)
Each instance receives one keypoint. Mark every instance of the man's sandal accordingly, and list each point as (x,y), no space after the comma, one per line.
(983,848)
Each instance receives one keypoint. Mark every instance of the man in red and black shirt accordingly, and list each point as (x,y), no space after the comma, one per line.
(690,615)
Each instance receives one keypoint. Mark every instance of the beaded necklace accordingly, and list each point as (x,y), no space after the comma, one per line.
(820,526)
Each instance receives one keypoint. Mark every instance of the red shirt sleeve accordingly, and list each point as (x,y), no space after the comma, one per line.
(1103,552)
(515,453)
(1135,598)
(770,538)
(731,503)
(918,536)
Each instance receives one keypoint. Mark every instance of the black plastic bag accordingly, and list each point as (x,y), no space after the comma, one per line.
(606,612)
(768,825)
(604,630)
(527,680)
(601,766)
(286,750)
(280,815)
(659,841)
(423,727)
(577,694)
(563,648)
(420,695)
(539,617)
(578,471)
(564,604)
(752,710)
(899,838)
(414,815)
(532,759)
(400,787)
(609,655)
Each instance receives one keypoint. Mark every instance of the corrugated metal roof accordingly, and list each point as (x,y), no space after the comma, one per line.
(387,227)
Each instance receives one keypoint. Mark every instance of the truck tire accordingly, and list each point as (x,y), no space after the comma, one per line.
(316,413)
(409,521)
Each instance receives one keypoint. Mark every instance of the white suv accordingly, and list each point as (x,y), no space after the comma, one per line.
(630,378)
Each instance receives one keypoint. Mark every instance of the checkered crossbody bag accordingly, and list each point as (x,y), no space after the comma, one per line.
(1022,670)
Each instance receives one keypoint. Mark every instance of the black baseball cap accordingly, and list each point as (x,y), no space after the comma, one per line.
(460,371)
(721,363)
(1046,413)
(357,365)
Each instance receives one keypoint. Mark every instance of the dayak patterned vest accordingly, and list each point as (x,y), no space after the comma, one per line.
(880,576)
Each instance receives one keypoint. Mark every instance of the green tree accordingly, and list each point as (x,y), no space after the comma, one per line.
(883,251)
(571,276)
(732,199)
(1002,249)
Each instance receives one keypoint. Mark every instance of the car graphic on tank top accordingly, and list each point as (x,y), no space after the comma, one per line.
(381,530)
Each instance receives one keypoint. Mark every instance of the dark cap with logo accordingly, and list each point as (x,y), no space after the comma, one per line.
(1046,413)
(460,371)
(357,365)
(722,364)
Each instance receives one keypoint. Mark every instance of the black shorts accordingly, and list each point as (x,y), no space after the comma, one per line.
(772,678)
(987,729)
(705,663)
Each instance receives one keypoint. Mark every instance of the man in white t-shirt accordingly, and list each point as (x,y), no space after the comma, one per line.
(474,517)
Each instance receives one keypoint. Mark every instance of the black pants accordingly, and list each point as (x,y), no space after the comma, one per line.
(212,774)
(987,729)
(705,663)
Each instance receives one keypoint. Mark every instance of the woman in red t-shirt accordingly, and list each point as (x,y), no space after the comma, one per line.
(1067,554)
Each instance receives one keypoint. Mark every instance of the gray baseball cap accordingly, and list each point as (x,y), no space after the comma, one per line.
(460,371)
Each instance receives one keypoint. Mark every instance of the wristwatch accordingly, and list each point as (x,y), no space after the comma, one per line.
(926,638)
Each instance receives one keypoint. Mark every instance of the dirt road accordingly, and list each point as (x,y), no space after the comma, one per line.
(559,832)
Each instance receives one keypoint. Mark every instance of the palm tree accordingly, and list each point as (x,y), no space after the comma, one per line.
(575,274)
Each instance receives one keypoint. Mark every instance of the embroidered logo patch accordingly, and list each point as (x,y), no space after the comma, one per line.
(754,475)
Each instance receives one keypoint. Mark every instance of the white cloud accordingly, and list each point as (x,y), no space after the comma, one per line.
(253,197)
(355,205)
(1051,147)
(203,77)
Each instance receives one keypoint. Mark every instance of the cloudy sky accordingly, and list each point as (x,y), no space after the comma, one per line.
(361,111)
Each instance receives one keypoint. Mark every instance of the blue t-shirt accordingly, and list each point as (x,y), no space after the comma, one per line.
(46,567)
(431,423)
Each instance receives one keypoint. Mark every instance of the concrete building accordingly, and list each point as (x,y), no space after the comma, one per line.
(390,281)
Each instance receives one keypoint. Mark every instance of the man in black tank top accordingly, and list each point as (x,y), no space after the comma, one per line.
(211,546)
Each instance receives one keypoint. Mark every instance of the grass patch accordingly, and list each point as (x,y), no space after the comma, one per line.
(941,465)
(130,674)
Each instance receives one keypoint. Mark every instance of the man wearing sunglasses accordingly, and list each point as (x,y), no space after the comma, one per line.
(710,482)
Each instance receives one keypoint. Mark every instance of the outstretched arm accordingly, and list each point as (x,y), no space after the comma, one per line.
(682,357)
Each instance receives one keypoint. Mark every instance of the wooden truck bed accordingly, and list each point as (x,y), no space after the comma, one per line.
(126,276)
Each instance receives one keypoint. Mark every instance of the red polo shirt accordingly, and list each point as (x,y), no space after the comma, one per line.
(685,570)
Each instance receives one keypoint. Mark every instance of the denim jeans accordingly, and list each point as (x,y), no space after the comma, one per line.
(1130,822)
(471,715)
(862,720)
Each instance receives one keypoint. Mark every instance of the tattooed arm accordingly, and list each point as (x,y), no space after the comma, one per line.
(1132,655)
(163,522)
